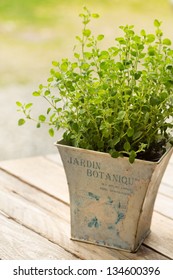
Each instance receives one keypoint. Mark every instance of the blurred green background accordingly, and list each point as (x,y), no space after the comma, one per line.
(35,32)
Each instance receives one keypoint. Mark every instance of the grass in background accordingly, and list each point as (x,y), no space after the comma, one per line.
(35,32)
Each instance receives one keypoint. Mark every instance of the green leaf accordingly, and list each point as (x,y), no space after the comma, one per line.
(58,74)
(137,135)
(127,146)
(55,63)
(104,55)
(121,40)
(19,104)
(100,37)
(79,39)
(21,122)
(85,66)
(77,55)
(157,23)
(115,141)
(74,65)
(47,92)
(130,132)
(132,156)
(38,125)
(143,33)
(42,118)
(169,67)
(36,93)
(51,132)
(154,100)
(134,53)
(159,32)
(114,153)
(121,115)
(95,15)
(64,67)
(86,32)
(50,79)
(48,110)
(151,51)
(120,66)
(137,75)
(40,86)
(167,42)
(27,106)
(150,38)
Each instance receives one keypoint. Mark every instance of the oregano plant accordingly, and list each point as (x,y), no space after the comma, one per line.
(117,100)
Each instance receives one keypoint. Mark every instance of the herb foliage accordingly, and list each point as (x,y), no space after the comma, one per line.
(117,100)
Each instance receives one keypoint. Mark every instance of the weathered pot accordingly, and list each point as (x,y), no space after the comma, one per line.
(111,200)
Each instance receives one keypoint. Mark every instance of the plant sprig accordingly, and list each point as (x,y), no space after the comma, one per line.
(117,100)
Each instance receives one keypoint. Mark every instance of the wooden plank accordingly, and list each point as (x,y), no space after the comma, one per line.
(52,204)
(18,242)
(164,205)
(61,210)
(168,175)
(41,173)
(56,158)
(166,190)
(161,240)
(55,228)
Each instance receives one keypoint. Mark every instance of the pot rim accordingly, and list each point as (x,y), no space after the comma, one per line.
(61,143)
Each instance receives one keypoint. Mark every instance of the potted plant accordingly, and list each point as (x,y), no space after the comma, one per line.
(115,106)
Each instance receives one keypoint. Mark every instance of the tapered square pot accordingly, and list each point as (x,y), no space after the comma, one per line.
(111,200)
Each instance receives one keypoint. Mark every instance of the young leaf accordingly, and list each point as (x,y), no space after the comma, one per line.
(100,37)
(27,106)
(95,15)
(47,92)
(130,132)
(127,146)
(48,110)
(114,153)
(42,118)
(36,93)
(51,132)
(121,115)
(86,32)
(132,156)
(21,122)
(157,23)
(167,42)
(55,63)
(150,38)
(19,104)
(137,135)
(143,33)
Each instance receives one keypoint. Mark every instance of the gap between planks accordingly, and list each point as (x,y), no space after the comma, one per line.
(18,242)
(32,215)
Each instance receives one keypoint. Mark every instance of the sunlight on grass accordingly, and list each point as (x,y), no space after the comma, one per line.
(35,32)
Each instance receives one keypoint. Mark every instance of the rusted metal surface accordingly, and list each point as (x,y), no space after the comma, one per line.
(111,200)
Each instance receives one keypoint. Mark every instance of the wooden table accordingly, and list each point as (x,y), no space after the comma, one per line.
(35,216)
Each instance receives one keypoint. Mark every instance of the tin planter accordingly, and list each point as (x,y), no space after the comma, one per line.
(111,200)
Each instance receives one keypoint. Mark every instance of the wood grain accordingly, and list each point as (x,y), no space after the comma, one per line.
(34,206)
(18,242)
(33,213)
(33,170)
